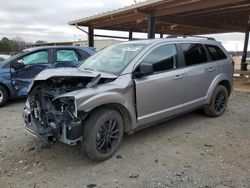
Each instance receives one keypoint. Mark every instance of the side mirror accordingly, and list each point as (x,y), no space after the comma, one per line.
(144,70)
(18,64)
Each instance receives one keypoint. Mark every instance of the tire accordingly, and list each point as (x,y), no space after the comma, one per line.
(103,133)
(218,103)
(3,96)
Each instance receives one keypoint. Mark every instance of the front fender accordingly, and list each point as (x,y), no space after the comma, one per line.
(5,80)
(109,98)
(216,81)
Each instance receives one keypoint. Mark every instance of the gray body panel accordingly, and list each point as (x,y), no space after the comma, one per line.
(155,97)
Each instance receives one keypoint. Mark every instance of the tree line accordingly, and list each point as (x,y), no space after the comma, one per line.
(15,45)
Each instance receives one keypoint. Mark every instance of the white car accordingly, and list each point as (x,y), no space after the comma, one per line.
(4,57)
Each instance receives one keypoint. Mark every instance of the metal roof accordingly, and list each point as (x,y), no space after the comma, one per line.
(186,17)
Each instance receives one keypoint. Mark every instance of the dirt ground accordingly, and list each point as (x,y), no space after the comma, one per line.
(190,151)
(242,84)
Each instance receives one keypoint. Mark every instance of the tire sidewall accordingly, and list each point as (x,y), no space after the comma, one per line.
(91,131)
(219,89)
(5,96)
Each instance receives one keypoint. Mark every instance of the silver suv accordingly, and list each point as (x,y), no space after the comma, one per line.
(127,87)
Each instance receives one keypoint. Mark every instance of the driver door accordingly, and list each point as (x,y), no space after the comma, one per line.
(34,63)
(160,95)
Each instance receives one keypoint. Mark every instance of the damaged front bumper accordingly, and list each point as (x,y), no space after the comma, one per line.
(66,132)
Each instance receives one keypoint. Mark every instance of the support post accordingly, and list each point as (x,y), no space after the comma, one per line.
(244,54)
(91,37)
(130,35)
(151,26)
(161,35)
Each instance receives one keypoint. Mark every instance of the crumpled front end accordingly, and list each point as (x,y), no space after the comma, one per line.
(52,116)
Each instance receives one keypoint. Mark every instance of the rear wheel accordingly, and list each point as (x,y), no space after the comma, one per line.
(218,102)
(103,133)
(3,96)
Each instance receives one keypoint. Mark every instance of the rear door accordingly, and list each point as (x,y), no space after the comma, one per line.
(200,72)
(160,95)
(34,62)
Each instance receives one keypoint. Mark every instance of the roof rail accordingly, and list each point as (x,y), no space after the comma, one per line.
(190,36)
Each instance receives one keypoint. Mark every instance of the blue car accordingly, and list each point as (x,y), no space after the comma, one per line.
(17,72)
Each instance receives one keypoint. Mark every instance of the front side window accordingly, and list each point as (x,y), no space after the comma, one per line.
(41,57)
(113,59)
(66,55)
(215,52)
(194,54)
(162,58)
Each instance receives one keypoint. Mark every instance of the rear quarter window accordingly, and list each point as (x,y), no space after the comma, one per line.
(215,52)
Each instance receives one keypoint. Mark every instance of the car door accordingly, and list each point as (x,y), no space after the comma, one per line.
(200,72)
(66,58)
(160,94)
(34,63)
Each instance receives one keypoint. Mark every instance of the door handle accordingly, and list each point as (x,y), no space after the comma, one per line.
(178,77)
(211,69)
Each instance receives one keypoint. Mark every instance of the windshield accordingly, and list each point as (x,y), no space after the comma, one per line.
(9,59)
(1,59)
(113,59)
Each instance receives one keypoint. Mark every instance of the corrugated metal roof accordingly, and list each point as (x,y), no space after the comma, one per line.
(111,12)
(175,17)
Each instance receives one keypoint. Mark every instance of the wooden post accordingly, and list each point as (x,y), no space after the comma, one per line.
(244,54)
(130,35)
(151,26)
(91,37)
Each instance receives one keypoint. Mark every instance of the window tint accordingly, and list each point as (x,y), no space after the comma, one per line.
(162,58)
(37,57)
(66,55)
(194,54)
(215,52)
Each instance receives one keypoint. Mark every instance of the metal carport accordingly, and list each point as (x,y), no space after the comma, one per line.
(178,17)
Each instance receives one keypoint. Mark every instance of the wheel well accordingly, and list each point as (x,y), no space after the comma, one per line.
(227,85)
(7,89)
(122,110)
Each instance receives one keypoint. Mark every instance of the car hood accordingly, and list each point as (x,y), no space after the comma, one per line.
(70,72)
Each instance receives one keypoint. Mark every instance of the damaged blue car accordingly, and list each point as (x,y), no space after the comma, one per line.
(17,72)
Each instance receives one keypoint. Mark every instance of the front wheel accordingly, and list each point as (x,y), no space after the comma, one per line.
(103,133)
(3,96)
(218,103)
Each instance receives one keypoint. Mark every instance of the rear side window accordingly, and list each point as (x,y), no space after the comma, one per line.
(215,52)
(66,55)
(194,54)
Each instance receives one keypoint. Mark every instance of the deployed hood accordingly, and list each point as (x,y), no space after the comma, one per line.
(70,72)
(70,79)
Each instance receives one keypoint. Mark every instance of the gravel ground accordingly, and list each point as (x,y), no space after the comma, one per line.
(190,151)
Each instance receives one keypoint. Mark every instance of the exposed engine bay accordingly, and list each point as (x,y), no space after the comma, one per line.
(52,117)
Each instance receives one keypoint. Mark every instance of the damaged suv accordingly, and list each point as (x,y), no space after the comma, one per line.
(127,87)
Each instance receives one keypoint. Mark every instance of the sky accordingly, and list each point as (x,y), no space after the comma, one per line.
(47,20)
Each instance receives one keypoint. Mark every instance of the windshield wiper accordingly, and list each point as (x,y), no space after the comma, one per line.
(90,69)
